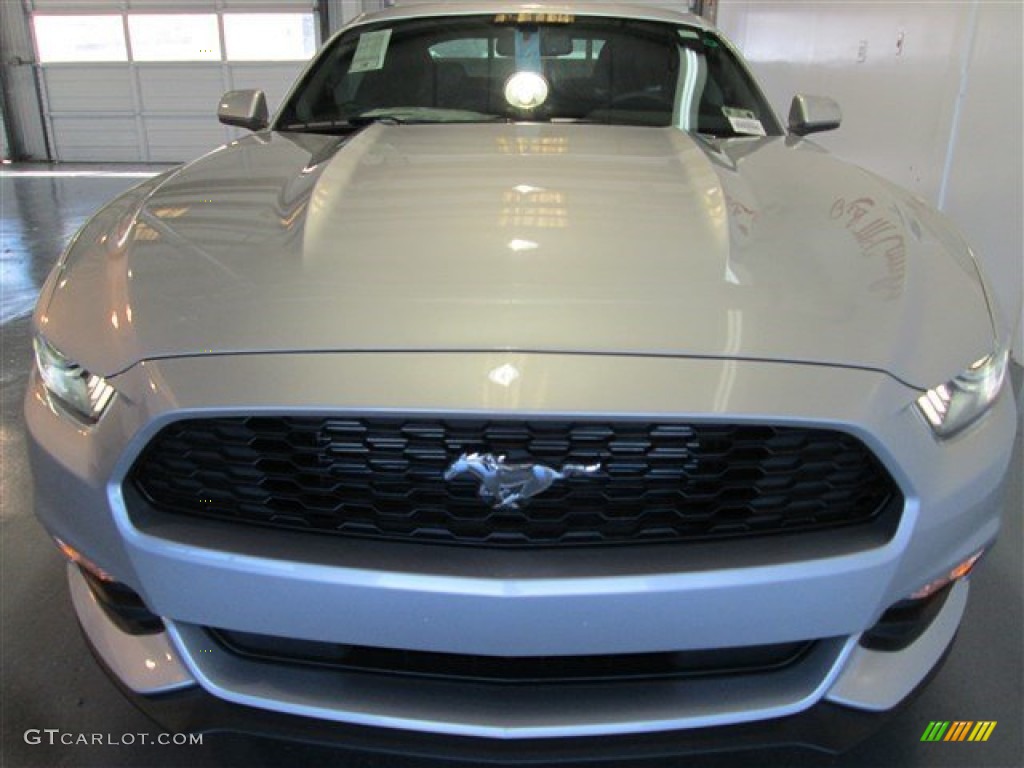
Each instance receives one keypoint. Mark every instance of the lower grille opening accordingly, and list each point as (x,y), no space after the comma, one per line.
(123,606)
(904,622)
(523,670)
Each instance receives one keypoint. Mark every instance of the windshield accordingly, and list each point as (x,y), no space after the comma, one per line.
(529,67)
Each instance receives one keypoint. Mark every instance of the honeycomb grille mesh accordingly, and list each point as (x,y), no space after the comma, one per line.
(383,477)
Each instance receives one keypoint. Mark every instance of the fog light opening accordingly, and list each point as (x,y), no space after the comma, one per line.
(121,604)
(82,561)
(958,572)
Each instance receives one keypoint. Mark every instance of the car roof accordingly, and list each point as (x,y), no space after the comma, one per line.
(409,9)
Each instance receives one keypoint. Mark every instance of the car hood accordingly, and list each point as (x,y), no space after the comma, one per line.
(547,238)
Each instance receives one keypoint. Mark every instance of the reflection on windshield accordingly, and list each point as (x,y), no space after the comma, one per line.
(391,115)
(535,68)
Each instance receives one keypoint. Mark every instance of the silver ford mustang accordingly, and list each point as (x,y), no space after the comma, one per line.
(522,380)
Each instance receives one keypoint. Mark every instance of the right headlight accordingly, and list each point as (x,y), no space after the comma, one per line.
(961,401)
(82,393)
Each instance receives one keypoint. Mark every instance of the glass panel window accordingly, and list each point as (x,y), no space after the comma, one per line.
(174,37)
(80,38)
(269,36)
(585,49)
(466,48)
(595,69)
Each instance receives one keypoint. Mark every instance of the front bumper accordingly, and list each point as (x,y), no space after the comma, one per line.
(825,727)
(632,600)
(169,694)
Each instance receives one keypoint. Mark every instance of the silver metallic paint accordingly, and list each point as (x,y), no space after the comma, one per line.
(877,680)
(520,712)
(442,601)
(643,241)
(247,109)
(147,664)
(811,114)
(666,277)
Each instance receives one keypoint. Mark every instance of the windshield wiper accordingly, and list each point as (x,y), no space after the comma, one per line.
(420,116)
(352,123)
(321,126)
(385,119)
(403,116)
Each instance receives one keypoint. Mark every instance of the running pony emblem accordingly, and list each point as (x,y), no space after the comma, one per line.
(506,486)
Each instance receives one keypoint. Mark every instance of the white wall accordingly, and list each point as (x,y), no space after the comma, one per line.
(985,190)
(931,96)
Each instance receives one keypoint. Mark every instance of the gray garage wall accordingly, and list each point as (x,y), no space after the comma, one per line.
(932,98)
(141,111)
(23,117)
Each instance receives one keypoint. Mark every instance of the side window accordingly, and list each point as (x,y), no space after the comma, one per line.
(579,50)
(584,49)
(727,86)
(329,86)
(466,48)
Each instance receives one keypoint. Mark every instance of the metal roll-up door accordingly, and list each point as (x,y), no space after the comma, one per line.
(139,80)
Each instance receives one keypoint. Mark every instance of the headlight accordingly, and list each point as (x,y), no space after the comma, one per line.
(82,393)
(952,406)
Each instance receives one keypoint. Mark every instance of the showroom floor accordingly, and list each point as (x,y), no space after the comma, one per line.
(51,682)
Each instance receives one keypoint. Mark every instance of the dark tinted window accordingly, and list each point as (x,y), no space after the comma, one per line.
(591,69)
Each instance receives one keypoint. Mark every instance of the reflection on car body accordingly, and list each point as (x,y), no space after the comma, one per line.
(521,381)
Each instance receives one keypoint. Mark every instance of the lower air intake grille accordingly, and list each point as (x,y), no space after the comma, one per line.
(514,670)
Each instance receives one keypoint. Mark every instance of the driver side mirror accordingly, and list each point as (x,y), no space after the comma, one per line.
(813,114)
(245,109)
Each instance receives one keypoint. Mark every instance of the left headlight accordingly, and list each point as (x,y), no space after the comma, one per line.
(961,401)
(84,394)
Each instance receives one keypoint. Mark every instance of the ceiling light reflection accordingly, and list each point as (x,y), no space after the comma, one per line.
(504,375)
(522,245)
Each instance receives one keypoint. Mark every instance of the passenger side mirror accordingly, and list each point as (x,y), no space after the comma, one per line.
(812,114)
(246,109)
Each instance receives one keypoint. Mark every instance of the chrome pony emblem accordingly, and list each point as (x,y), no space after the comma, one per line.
(506,486)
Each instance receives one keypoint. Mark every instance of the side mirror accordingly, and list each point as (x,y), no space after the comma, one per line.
(812,114)
(246,109)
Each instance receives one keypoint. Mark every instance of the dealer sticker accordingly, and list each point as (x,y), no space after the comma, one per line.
(744,121)
(370,53)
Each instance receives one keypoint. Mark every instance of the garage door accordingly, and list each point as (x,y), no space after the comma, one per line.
(139,81)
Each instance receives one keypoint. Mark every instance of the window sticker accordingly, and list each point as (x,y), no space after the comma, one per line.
(370,53)
(688,34)
(744,121)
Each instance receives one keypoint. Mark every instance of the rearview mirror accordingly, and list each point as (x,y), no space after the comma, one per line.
(246,109)
(812,114)
(553,42)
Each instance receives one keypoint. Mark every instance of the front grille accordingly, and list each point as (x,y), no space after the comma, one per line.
(383,477)
(513,670)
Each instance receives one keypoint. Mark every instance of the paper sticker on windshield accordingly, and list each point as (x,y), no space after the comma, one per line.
(370,53)
(744,121)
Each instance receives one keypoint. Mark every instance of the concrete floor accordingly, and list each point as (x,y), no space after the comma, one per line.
(51,681)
